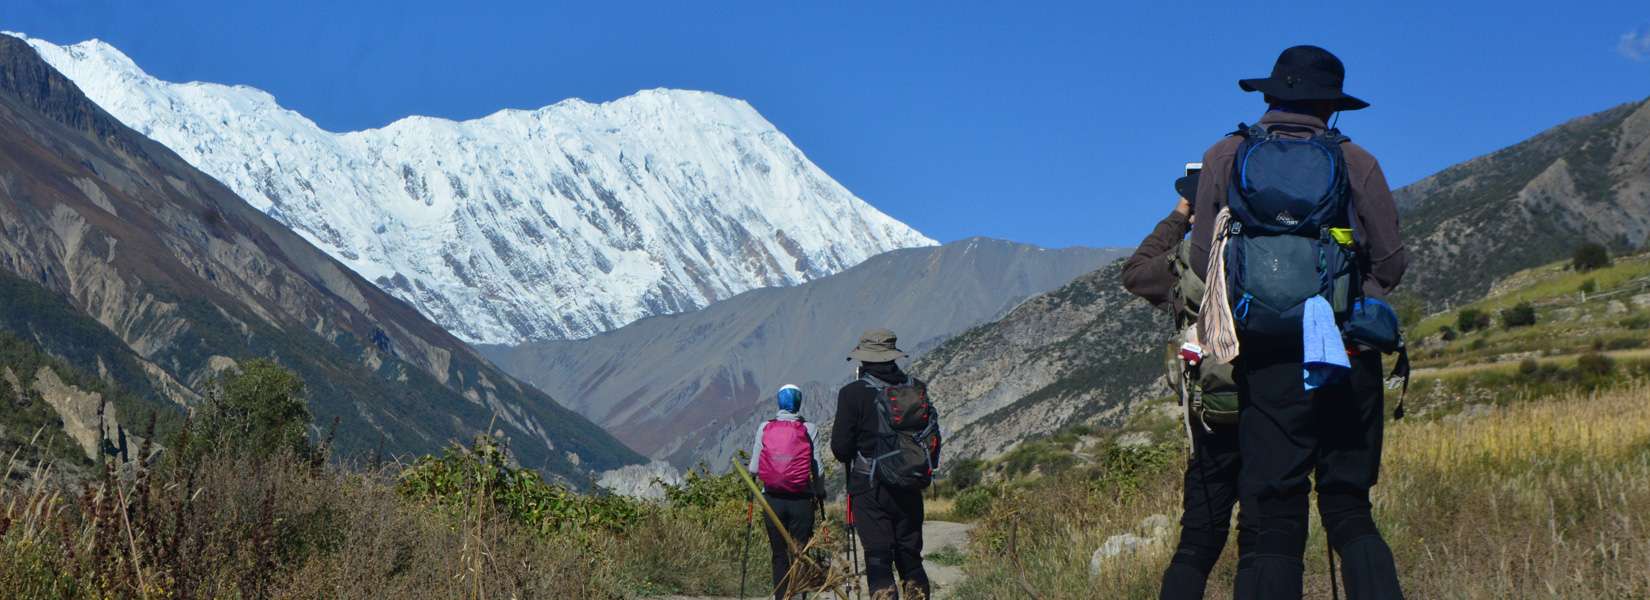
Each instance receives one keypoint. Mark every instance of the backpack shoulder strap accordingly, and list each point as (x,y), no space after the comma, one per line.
(876,384)
(1334,137)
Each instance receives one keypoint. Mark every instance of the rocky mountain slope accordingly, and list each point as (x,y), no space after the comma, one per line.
(1090,353)
(1528,204)
(688,387)
(553,223)
(1080,353)
(100,222)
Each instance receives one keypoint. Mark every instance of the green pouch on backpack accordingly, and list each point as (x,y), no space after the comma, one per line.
(1216,402)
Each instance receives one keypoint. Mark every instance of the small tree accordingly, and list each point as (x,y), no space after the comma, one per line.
(1520,315)
(1470,319)
(258,411)
(1589,286)
(1589,256)
(965,474)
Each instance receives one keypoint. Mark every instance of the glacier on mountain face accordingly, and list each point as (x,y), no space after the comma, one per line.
(555,223)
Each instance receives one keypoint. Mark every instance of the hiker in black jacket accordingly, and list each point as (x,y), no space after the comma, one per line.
(1295,439)
(888,519)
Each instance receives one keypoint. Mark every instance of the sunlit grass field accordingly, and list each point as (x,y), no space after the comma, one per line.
(1538,498)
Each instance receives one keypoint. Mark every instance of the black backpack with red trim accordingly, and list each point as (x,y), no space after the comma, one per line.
(908,436)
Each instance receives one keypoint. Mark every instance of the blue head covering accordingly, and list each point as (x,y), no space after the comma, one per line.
(790,398)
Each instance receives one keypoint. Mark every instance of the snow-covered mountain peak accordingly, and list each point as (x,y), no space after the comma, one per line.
(559,222)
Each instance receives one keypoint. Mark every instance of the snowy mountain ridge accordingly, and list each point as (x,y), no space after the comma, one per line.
(555,223)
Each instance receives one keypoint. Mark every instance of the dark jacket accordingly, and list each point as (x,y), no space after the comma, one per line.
(855,430)
(1375,218)
(1147,273)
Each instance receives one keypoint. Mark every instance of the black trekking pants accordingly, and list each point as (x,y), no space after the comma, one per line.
(797,513)
(889,524)
(1205,521)
(1287,437)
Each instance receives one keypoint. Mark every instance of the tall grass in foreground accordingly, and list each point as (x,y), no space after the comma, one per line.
(289,526)
(1546,498)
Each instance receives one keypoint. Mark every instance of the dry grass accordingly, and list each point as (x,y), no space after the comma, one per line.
(1540,499)
(284,527)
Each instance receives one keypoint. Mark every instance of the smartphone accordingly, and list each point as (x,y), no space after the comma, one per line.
(1194,168)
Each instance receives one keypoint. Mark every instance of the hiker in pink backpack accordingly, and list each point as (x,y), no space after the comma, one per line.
(785,457)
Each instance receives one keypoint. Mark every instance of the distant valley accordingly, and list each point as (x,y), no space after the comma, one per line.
(687,387)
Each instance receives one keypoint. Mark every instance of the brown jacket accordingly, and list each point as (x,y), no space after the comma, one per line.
(1147,273)
(1375,218)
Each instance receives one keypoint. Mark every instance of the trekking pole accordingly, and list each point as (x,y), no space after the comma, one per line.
(853,544)
(745,555)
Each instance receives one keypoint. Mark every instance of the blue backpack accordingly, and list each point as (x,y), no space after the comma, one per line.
(1286,194)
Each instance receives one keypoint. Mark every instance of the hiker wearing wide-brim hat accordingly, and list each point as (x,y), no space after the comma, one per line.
(1306,74)
(1296,435)
(885,475)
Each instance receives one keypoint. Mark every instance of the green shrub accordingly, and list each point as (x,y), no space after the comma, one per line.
(1478,344)
(1595,365)
(1520,315)
(965,474)
(974,503)
(257,410)
(1470,319)
(702,489)
(464,481)
(1529,367)
(1589,256)
(1637,322)
(1448,333)
(1589,286)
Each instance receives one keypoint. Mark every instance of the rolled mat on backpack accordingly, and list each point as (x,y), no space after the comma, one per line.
(1219,330)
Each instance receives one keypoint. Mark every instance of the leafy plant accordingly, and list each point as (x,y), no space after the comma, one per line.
(467,481)
(258,410)
(1520,315)
(1470,319)
(1595,364)
(975,502)
(1589,256)
(965,474)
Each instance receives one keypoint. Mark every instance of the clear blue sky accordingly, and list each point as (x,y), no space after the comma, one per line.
(1057,124)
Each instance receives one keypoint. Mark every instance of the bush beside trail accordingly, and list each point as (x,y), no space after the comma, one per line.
(242,505)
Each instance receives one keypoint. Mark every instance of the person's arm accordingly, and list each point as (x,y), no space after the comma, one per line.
(843,443)
(813,442)
(756,448)
(1378,218)
(1147,273)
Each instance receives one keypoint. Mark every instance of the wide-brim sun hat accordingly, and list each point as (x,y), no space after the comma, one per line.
(877,346)
(1304,73)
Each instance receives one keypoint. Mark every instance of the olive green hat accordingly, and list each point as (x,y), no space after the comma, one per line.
(876,346)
